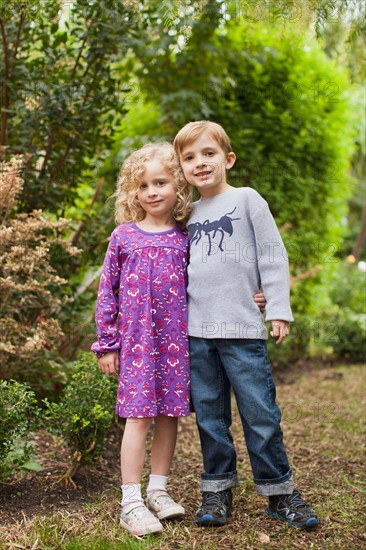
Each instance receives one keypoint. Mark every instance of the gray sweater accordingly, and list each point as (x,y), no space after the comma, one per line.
(235,249)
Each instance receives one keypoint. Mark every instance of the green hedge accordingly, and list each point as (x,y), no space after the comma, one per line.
(85,410)
(19,415)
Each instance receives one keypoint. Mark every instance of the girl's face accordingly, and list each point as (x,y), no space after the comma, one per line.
(157,193)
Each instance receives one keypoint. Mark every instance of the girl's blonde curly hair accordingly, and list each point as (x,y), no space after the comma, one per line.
(127,207)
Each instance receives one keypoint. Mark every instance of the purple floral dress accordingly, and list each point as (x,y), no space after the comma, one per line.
(142,313)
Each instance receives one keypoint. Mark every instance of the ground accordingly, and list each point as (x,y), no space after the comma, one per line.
(323,409)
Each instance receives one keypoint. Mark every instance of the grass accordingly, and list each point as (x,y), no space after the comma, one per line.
(323,424)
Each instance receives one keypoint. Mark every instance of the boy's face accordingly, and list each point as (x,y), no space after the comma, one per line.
(205,164)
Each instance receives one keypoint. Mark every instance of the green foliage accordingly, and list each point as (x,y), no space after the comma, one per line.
(85,410)
(346,283)
(173,67)
(64,87)
(293,120)
(104,542)
(61,93)
(347,290)
(30,288)
(46,374)
(332,319)
(287,111)
(287,108)
(351,340)
(18,416)
(85,78)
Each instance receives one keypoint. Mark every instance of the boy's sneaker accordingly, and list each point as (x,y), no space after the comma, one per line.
(293,510)
(163,506)
(215,508)
(138,520)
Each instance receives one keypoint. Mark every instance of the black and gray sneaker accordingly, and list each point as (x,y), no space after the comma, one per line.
(293,510)
(215,508)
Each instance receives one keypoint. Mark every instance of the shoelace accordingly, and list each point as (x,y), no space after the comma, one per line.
(211,499)
(296,500)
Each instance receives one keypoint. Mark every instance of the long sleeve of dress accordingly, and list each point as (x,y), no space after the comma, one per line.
(106,315)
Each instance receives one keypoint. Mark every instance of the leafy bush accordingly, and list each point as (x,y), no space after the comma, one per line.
(347,286)
(347,291)
(61,100)
(292,119)
(30,287)
(61,76)
(334,318)
(84,413)
(351,340)
(18,416)
(288,111)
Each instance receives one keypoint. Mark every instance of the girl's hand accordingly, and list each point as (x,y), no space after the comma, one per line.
(280,329)
(260,300)
(109,363)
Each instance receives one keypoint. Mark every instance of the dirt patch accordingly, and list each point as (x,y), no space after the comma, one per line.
(323,421)
(40,493)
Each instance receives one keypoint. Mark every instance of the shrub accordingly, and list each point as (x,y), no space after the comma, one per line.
(347,286)
(18,416)
(84,413)
(293,120)
(334,319)
(347,290)
(350,343)
(287,109)
(30,287)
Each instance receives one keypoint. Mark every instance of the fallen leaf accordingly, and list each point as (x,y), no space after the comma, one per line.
(263,538)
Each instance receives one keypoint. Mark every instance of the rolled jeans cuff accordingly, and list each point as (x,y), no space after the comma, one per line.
(219,482)
(270,488)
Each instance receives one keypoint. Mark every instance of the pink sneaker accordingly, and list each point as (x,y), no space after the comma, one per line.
(163,506)
(138,520)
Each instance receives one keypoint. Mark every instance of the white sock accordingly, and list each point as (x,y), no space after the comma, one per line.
(156,482)
(131,492)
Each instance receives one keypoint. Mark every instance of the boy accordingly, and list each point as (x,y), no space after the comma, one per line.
(235,249)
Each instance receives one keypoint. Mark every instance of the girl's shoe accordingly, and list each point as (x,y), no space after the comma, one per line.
(163,506)
(138,520)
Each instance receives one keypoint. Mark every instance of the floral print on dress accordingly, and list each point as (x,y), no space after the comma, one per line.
(142,313)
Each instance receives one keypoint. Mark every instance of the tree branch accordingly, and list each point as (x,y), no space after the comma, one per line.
(47,155)
(361,237)
(62,159)
(305,275)
(17,41)
(75,238)
(4,115)
(51,140)
(81,50)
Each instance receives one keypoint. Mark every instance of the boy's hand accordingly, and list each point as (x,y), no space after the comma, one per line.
(260,300)
(109,363)
(280,329)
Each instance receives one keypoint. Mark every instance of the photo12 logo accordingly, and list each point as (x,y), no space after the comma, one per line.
(317,91)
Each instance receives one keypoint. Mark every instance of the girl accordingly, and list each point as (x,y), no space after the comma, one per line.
(141,319)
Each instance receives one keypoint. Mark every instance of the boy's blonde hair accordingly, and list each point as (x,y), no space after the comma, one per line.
(193,130)
(127,207)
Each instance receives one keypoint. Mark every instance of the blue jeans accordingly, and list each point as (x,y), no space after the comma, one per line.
(217,365)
